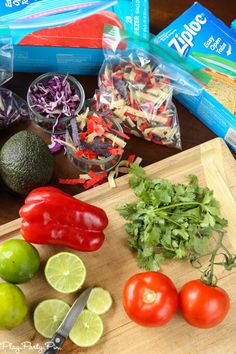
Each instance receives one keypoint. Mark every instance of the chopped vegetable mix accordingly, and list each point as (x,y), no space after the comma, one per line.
(95,136)
(140,96)
(93,179)
(169,220)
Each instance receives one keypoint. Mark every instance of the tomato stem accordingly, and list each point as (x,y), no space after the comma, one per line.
(228,262)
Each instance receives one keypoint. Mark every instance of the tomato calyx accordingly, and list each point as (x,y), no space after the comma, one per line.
(149,296)
(220,256)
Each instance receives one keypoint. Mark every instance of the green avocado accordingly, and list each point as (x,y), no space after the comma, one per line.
(25,162)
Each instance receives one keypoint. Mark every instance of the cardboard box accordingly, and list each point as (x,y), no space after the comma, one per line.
(210,48)
(66,36)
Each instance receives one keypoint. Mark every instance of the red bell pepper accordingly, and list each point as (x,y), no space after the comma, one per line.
(51,216)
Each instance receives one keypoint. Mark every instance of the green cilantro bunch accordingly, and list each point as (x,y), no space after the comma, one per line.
(169,221)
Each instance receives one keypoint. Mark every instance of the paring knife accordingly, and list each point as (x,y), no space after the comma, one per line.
(57,341)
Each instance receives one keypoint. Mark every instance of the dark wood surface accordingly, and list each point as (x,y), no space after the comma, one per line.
(193,132)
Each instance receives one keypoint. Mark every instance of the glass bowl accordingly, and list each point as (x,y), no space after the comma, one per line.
(97,165)
(49,124)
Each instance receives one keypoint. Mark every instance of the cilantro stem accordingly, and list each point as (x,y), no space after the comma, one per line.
(170,220)
(177,205)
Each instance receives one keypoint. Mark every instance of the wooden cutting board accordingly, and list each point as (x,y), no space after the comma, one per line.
(114,263)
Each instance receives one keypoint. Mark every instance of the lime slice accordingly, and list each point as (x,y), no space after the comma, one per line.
(65,272)
(48,315)
(87,330)
(99,301)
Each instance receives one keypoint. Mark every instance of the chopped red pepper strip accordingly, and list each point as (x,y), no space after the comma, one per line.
(131,116)
(121,134)
(143,126)
(131,158)
(95,178)
(149,76)
(135,106)
(90,155)
(169,121)
(117,151)
(99,130)
(138,76)
(71,180)
(82,136)
(110,125)
(119,76)
(162,108)
(79,153)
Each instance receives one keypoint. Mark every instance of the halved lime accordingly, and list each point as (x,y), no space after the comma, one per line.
(87,330)
(99,301)
(48,315)
(65,272)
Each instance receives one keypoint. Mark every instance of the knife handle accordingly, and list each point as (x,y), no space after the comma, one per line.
(55,344)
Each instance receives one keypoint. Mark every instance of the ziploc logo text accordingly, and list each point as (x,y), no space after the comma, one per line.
(184,41)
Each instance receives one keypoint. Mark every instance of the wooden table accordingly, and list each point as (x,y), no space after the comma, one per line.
(193,132)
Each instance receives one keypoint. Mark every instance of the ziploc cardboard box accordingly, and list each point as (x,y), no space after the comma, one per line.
(66,36)
(233,27)
(210,48)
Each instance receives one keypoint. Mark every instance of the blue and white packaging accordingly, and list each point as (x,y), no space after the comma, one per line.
(66,36)
(233,26)
(210,49)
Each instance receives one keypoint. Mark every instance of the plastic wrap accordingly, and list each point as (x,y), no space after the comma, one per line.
(6,55)
(136,82)
(12,108)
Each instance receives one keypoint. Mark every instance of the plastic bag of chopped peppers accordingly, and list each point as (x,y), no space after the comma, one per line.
(136,82)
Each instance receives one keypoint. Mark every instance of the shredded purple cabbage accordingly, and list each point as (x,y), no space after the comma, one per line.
(56,146)
(75,133)
(55,98)
(13,109)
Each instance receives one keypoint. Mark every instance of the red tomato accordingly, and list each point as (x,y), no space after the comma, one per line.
(150,298)
(202,305)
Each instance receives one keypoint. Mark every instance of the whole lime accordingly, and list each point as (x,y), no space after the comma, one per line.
(13,306)
(19,261)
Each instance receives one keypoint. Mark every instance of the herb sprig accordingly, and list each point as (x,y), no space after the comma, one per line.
(171,221)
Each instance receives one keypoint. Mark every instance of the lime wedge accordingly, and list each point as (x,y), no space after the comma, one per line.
(87,330)
(65,272)
(99,301)
(48,315)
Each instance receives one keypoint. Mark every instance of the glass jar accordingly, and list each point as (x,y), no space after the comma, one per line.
(55,125)
(96,165)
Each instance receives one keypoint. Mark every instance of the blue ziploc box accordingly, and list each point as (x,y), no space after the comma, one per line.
(66,36)
(233,26)
(209,48)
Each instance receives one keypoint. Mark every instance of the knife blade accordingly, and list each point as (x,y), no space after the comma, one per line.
(57,341)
